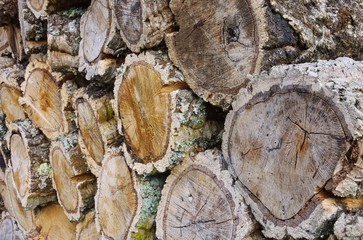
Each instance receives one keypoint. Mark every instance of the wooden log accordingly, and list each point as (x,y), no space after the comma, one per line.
(63,39)
(309,139)
(33,30)
(75,186)
(96,122)
(10,92)
(143,23)
(8,12)
(5,49)
(52,223)
(43,8)
(30,168)
(47,98)
(100,39)
(160,119)
(15,42)
(327,30)
(199,201)
(8,228)
(23,217)
(87,228)
(116,196)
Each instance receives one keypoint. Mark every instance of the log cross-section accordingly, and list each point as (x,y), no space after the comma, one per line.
(143,23)
(199,202)
(307,142)
(30,168)
(160,118)
(74,184)
(96,122)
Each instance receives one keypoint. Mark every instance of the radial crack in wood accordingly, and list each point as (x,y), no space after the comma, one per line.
(143,23)
(96,122)
(74,184)
(160,119)
(308,136)
(30,166)
(199,202)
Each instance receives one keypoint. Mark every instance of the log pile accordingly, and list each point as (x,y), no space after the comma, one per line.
(181,119)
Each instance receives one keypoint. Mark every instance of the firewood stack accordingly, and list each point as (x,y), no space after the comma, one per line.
(181,119)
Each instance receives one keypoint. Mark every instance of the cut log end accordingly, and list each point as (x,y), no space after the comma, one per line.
(9,103)
(87,228)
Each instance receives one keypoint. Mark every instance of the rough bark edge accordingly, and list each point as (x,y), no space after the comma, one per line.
(188,125)
(223,100)
(110,136)
(153,32)
(326,78)
(86,183)
(38,164)
(213,161)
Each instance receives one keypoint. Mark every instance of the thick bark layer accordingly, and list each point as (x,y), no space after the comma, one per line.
(30,168)
(42,8)
(99,37)
(74,184)
(96,122)
(8,12)
(33,31)
(143,23)
(198,201)
(47,98)
(63,39)
(160,119)
(309,136)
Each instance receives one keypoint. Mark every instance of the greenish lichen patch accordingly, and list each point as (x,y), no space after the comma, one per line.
(44,174)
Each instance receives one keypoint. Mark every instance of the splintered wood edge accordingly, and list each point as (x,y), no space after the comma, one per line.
(169,75)
(210,161)
(321,77)
(107,127)
(117,153)
(219,99)
(100,66)
(153,20)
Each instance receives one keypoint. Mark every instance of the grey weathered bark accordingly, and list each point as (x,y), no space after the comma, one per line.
(8,12)
(309,140)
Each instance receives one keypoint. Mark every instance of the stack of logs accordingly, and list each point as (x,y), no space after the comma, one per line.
(177,119)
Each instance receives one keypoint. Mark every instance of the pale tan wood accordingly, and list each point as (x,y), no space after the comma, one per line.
(30,168)
(96,122)
(33,30)
(143,23)
(99,37)
(5,49)
(42,8)
(15,42)
(199,202)
(63,39)
(71,179)
(46,98)
(24,218)
(116,196)
(8,12)
(308,136)
(52,223)
(160,118)
(87,228)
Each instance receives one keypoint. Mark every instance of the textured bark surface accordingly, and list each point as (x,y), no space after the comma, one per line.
(116,196)
(159,117)
(143,23)
(63,39)
(199,202)
(349,226)
(30,168)
(46,98)
(309,135)
(74,184)
(33,30)
(42,8)
(8,12)
(99,37)
(96,122)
